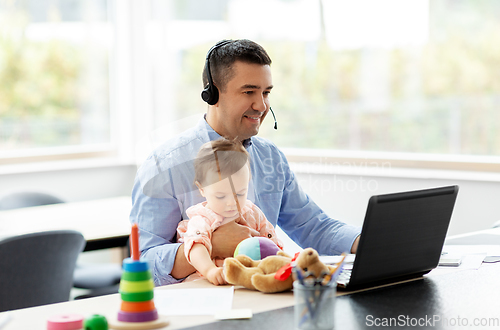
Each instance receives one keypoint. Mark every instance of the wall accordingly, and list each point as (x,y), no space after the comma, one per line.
(343,196)
(71,183)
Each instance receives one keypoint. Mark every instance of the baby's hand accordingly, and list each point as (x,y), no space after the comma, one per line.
(215,276)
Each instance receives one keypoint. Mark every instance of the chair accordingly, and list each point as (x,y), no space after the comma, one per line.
(27,199)
(99,279)
(37,269)
(88,277)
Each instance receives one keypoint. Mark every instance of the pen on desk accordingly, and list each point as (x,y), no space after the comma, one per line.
(314,298)
(336,272)
(298,273)
(300,277)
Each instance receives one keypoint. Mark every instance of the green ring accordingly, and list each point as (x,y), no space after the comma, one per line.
(138,286)
(136,276)
(137,296)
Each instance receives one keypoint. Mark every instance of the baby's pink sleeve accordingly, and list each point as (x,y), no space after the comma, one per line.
(193,231)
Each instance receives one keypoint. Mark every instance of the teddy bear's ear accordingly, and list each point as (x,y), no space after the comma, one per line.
(306,257)
(309,259)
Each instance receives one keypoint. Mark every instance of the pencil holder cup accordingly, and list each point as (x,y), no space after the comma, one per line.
(314,306)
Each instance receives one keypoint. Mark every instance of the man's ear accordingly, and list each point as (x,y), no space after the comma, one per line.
(202,192)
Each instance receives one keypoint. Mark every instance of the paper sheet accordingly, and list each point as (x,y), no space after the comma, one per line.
(207,301)
(5,317)
(331,260)
(472,257)
(487,250)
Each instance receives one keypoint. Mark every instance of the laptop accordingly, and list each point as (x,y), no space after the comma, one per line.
(402,237)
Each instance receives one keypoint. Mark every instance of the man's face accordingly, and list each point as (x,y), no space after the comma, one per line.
(244,103)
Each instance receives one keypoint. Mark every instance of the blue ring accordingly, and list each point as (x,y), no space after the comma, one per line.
(130,265)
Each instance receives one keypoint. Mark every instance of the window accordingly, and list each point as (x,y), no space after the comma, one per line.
(54,74)
(392,76)
(408,78)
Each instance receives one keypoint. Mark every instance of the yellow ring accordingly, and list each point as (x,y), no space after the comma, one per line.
(136,286)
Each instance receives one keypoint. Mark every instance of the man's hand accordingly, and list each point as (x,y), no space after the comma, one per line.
(228,236)
(354,247)
(182,267)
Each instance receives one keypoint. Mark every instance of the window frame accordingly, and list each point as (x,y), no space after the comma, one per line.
(132,115)
(385,161)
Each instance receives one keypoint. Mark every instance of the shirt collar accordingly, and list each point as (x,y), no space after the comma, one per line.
(213,135)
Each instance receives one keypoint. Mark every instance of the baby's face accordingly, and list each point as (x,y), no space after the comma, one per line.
(220,197)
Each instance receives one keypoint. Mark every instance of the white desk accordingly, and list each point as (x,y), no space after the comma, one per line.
(449,296)
(36,317)
(104,223)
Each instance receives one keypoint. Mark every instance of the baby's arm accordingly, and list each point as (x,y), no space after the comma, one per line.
(201,260)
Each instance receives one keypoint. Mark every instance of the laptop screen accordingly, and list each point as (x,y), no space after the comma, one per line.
(403,234)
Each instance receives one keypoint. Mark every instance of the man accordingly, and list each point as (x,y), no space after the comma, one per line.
(238,82)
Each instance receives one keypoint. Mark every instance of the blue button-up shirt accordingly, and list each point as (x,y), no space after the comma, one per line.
(164,189)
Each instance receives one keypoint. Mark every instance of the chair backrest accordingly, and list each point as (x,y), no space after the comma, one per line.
(26,199)
(37,269)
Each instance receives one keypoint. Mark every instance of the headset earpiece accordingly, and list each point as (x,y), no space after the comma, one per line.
(211,94)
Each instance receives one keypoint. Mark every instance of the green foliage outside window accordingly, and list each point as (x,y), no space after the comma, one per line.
(443,96)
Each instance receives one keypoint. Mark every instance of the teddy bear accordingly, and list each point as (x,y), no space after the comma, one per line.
(273,273)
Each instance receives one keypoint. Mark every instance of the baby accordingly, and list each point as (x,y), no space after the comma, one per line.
(222,174)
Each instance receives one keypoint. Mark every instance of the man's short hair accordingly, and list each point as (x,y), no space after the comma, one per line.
(223,58)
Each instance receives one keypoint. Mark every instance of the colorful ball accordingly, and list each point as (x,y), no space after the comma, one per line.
(95,322)
(257,248)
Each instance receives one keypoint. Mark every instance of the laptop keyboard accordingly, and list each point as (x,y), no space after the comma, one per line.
(344,277)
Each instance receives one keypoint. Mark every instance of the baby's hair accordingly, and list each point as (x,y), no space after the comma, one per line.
(221,156)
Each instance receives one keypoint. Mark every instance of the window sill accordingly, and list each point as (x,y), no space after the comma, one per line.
(61,165)
(61,158)
(304,161)
(397,165)
(54,154)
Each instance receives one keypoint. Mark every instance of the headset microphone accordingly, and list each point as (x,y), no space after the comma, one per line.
(275,122)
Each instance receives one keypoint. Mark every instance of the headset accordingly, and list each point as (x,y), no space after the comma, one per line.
(211,94)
